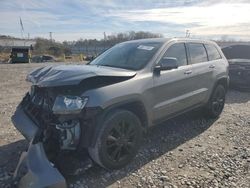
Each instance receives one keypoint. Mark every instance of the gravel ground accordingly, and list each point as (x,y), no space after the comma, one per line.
(188,151)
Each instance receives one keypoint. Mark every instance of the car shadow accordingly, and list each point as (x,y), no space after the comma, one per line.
(159,140)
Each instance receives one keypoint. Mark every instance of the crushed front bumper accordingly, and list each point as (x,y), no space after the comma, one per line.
(24,124)
(41,172)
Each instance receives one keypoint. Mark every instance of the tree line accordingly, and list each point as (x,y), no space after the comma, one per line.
(45,46)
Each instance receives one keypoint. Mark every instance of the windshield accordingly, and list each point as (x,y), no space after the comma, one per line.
(133,56)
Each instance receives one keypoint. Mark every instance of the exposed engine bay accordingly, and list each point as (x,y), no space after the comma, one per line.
(60,132)
(69,134)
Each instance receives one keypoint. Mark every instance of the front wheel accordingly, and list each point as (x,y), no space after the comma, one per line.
(118,140)
(217,101)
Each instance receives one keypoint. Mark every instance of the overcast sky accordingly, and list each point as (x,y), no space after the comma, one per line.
(74,19)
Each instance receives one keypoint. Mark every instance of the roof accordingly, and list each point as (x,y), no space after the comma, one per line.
(160,40)
(21,47)
(163,40)
(16,42)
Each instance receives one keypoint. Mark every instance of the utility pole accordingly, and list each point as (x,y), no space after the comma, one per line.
(188,33)
(105,39)
(50,36)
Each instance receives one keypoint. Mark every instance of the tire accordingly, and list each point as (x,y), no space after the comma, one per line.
(118,140)
(216,102)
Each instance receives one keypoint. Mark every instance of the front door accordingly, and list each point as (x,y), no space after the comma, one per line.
(173,88)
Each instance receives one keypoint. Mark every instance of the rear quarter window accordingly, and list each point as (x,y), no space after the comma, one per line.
(213,53)
(197,53)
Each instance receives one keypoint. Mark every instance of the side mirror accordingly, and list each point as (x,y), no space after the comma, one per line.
(167,63)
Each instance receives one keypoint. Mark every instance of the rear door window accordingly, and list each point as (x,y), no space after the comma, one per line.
(213,53)
(177,51)
(197,53)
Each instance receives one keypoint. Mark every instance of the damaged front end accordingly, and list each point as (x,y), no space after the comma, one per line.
(48,134)
(41,172)
(55,116)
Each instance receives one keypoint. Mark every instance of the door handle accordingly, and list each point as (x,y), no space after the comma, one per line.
(188,72)
(212,66)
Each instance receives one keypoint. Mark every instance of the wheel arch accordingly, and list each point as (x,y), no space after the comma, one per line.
(222,81)
(135,106)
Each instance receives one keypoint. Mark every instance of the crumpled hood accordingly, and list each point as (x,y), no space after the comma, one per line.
(61,75)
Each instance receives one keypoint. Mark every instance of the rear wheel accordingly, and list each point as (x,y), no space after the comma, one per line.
(216,102)
(118,140)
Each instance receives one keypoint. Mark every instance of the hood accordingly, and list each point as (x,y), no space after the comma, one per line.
(61,75)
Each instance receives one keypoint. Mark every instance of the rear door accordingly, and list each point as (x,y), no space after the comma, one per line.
(216,63)
(203,71)
(173,88)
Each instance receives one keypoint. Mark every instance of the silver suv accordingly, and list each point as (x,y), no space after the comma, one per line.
(104,107)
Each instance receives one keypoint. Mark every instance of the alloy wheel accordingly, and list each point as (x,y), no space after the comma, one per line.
(120,141)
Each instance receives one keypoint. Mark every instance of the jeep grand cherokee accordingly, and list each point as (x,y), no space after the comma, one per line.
(106,105)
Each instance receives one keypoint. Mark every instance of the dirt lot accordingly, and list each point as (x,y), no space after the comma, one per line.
(188,151)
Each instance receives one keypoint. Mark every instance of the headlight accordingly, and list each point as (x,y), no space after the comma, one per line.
(69,104)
